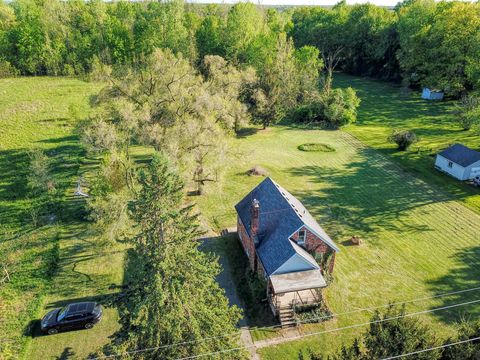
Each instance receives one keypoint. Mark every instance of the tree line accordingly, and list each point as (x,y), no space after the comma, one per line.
(423,43)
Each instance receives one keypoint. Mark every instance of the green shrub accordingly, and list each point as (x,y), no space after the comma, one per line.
(314,147)
(333,108)
(468,112)
(312,314)
(7,70)
(52,259)
(403,138)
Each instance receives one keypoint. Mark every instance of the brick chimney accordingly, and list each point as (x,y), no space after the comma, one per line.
(255,219)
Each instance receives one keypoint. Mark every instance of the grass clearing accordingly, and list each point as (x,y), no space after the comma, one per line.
(419,240)
(386,106)
(35,113)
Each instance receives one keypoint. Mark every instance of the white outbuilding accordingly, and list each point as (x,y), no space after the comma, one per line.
(429,94)
(459,161)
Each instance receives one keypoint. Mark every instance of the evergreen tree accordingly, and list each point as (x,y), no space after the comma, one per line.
(173,296)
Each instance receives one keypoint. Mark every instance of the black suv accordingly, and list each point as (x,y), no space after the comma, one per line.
(81,315)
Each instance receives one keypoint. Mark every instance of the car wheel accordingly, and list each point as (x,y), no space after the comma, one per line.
(88,325)
(52,331)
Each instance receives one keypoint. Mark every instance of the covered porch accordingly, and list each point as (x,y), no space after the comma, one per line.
(290,290)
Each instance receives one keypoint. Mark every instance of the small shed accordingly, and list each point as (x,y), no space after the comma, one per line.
(429,94)
(459,161)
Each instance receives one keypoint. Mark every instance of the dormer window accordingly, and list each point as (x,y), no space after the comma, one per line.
(302,237)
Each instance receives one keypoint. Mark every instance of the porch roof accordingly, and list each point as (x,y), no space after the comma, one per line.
(296,281)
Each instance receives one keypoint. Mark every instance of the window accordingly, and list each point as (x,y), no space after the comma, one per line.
(62,314)
(450,164)
(302,236)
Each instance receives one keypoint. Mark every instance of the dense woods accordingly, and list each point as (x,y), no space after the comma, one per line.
(422,42)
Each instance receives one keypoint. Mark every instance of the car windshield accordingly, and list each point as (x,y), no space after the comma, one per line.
(61,314)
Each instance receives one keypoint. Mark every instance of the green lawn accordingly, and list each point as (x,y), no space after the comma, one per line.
(34,113)
(418,239)
(385,106)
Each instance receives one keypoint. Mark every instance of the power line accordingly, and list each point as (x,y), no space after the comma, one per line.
(431,349)
(295,337)
(300,322)
(337,329)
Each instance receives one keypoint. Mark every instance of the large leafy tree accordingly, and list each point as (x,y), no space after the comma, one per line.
(209,36)
(370,41)
(390,334)
(244,23)
(28,38)
(161,25)
(167,104)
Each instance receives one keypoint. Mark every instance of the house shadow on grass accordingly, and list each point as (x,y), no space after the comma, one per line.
(365,194)
(465,276)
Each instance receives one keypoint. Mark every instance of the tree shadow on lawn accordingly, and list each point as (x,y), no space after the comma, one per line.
(77,250)
(366,194)
(466,275)
(14,166)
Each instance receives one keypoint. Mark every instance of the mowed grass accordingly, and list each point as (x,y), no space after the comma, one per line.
(386,106)
(419,240)
(35,113)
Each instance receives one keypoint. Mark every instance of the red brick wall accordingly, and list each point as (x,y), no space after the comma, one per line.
(247,243)
(313,243)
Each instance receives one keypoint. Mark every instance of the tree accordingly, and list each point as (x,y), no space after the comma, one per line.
(165,103)
(326,30)
(209,36)
(244,23)
(371,42)
(309,65)
(7,22)
(335,108)
(161,25)
(390,334)
(174,297)
(232,88)
(279,86)
(468,111)
(403,138)
(28,38)
(465,351)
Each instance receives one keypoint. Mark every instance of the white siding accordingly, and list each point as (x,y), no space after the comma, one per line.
(295,263)
(473,170)
(428,94)
(451,168)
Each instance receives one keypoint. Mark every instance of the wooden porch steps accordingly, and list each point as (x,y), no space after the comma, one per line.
(287,318)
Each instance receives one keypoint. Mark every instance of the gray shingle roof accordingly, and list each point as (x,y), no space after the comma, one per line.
(281,214)
(461,155)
